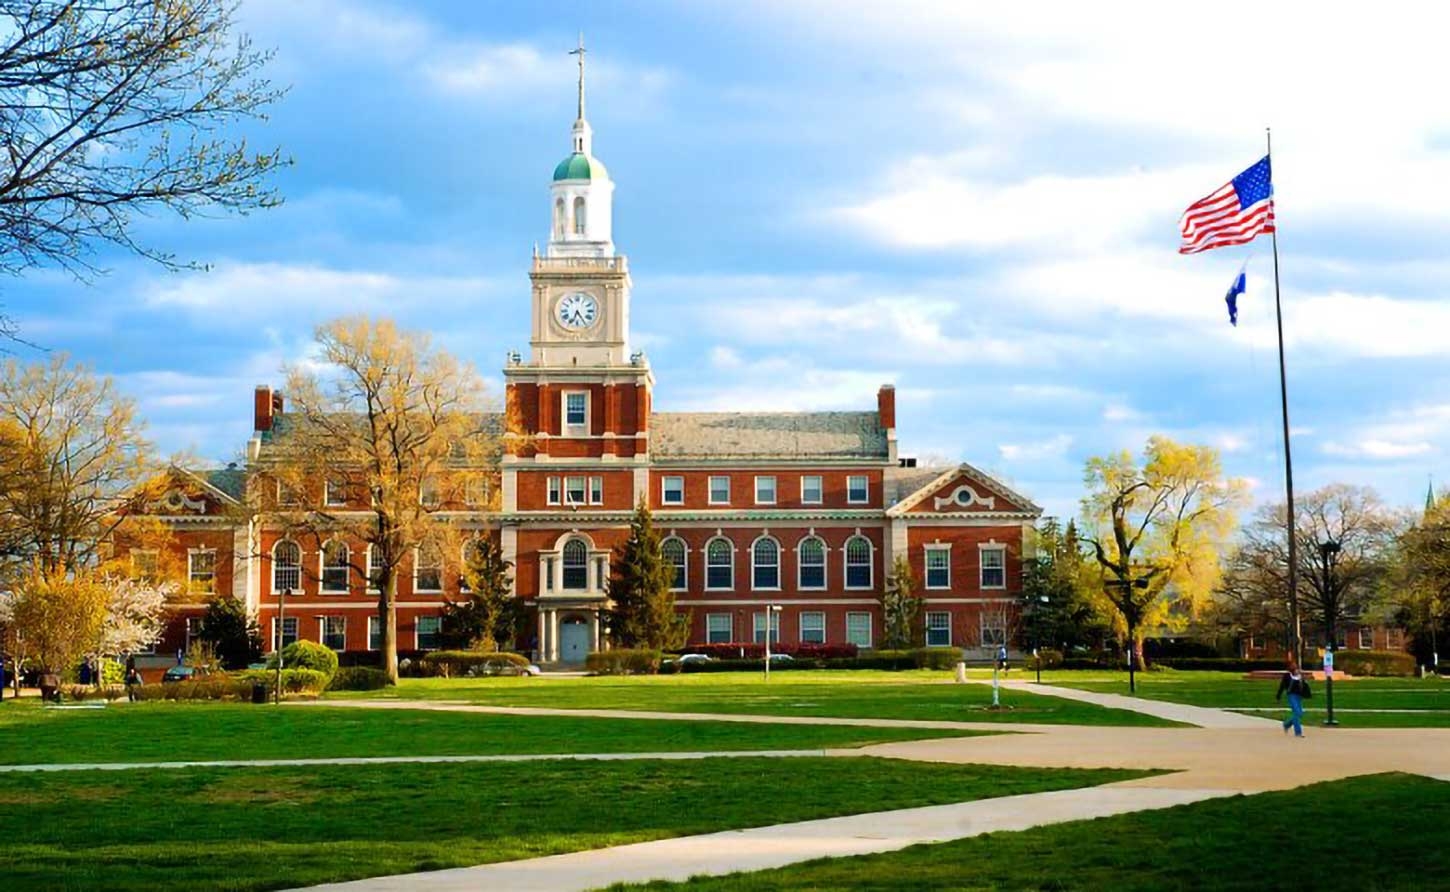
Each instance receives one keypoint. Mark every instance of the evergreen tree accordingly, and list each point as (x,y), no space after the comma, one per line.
(1057,610)
(900,608)
(232,633)
(487,616)
(643,611)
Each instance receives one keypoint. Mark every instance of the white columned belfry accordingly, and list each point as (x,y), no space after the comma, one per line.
(581,194)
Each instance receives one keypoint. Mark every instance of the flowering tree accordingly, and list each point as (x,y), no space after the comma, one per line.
(134,613)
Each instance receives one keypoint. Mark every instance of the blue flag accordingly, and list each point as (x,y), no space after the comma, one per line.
(1234,290)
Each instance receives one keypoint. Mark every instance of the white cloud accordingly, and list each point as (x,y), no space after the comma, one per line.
(1377,449)
(1053,447)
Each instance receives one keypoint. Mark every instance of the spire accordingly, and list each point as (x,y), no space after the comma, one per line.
(580,53)
(1430,498)
(583,134)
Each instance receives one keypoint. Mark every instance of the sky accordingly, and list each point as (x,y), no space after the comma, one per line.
(975,202)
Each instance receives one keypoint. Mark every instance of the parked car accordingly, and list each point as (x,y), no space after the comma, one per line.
(185,673)
(782,658)
(686,659)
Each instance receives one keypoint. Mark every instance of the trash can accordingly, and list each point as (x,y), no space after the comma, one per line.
(259,693)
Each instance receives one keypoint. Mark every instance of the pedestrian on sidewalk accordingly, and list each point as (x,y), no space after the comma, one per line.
(1297,687)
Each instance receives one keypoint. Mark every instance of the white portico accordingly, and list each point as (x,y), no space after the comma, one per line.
(575,578)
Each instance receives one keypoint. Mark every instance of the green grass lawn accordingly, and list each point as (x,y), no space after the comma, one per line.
(1429,697)
(843,694)
(268,828)
(1371,833)
(153,732)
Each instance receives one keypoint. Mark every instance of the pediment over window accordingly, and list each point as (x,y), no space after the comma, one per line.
(965,490)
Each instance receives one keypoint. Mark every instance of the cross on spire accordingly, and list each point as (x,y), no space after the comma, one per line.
(580,51)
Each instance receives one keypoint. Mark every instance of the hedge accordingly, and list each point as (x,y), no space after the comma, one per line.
(470,663)
(1049,658)
(294,681)
(1217,664)
(623,662)
(307,655)
(358,678)
(744,650)
(1374,662)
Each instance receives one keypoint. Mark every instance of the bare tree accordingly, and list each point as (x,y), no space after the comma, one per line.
(110,108)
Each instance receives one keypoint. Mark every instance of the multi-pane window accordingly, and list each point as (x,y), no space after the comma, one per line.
(145,564)
(287,496)
(427,569)
(938,628)
(371,571)
(759,637)
(810,489)
(938,567)
(334,493)
(994,568)
(574,490)
(719,628)
(858,562)
(813,628)
(811,563)
(428,495)
(286,566)
(858,629)
(335,567)
(575,408)
(475,491)
(1366,638)
(426,630)
(576,565)
(201,571)
(994,629)
(596,490)
(719,490)
(334,632)
(1341,639)
(857,490)
(289,632)
(719,564)
(765,490)
(375,634)
(553,484)
(765,564)
(673,552)
(672,490)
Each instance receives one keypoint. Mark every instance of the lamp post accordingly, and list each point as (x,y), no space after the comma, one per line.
(771,612)
(281,627)
(1130,613)
(1328,552)
(1037,636)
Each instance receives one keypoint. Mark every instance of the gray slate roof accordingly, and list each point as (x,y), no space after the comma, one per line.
(757,435)
(232,481)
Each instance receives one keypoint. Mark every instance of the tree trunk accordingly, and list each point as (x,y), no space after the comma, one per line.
(388,621)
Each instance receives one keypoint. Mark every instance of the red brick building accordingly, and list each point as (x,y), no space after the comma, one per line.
(805,510)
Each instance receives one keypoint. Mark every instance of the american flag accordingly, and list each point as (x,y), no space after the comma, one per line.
(1232,215)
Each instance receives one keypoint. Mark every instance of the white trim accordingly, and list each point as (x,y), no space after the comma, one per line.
(278,634)
(820,489)
(553,490)
(926,619)
(774,489)
(801,625)
(982,550)
(417,643)
(846,562)
(765,537)
(982,629)
(800,564)
(574,430)
(417,553)
(323,622)
(685,559)
(865,479)
(771,626)
(731,545)
(368,644)
(936,548)
(827,601)
(710,489)
(596,490)
(368,586)
(583,481)
(322,588)
(327,500)
(729,627)
(190,554)
(276,589)
(870,628)
(664,489)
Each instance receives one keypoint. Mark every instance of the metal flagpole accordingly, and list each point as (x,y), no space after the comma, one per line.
(1295,636)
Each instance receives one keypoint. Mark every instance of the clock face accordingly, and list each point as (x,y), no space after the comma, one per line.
(577,310)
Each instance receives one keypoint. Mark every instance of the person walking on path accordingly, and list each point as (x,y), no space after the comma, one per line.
(1297,687)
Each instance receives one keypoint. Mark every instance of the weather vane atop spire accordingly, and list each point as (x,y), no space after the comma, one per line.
(580,53)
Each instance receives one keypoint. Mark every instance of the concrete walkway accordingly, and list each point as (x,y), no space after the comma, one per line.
(766,847)
(1201,716)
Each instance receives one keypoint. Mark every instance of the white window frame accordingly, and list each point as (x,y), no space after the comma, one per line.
(820,615)
(729,545)
(820,489)
(190,571)
(554,491)
(718,478)
(757,626)
(711,620)
(928,627)
(931,550)
(564,568)
(774,489)
(277,641)
(995,640)
(685,562)
(870,628)
(475,491)
(334,493)
(566,428)
(287,497)
(596,490)
(154,557)
(982,566)
(418,633)
(368,570)
(322,587)
(800,564)
(765,588)
(417,555)
(665,490)
(324,624)
(870,563)
(375,629)
(297,587)
(865,489)
(569,489)
(1362,631)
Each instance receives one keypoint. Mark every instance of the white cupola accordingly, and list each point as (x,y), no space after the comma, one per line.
(581,194)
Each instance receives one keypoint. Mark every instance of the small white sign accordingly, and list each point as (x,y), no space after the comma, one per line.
(1328,662)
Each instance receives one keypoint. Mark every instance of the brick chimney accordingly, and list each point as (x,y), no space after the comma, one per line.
(266,406)
(886,405)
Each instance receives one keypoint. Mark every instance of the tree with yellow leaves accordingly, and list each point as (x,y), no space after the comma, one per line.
(1156,530)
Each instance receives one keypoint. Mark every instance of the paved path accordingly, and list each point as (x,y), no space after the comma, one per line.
(766,847)
(1201,716)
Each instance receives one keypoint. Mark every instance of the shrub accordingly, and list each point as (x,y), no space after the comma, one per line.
(307,655)
(625,661)
(1374,662)
(358,678)
(213,687)
(1049,658)
(460,663)
(294,681)
(1215,664)
(938,657)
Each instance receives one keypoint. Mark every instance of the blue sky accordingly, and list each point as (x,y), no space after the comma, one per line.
(978,204)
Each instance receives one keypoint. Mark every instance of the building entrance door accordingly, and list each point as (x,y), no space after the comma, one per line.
(573,640)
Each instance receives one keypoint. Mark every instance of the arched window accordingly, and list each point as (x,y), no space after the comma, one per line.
(286,567)
(427,569)
(576,565)
(719,564)
(560,224)
(335,570)
(579,221)
(673,552)
(811,563)
(858,562)
(765,564)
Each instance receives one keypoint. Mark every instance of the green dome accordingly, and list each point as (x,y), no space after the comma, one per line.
(580,166)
